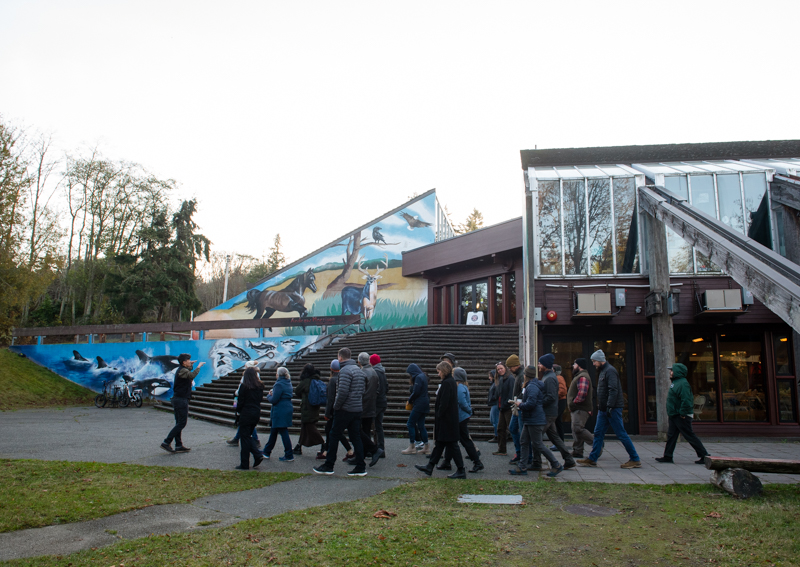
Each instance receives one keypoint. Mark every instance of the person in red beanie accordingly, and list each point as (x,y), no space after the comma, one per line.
(380,401)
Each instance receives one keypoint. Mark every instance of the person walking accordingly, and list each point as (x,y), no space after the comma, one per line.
(562,400)
(251,393)
(680,410)
(534,421)
(369,405)
(514,426)
(610,402)
(464,414)
(550,407)
(181,394)
(579,400)
(347,409)
(421,405)
(309,415)
(280,417)
(331,398)
(494,411)
(380,401)
(505,391)
(446,429)
(234,441)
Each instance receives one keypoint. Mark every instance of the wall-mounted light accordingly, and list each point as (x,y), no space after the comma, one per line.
(700,340)
(783,339)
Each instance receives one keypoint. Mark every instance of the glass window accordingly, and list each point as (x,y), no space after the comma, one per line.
(756,204)
(649,355)
(625,225)
(703,194)
(704,263)
(697,353)
(615,352)
(549,228)
(574,227)
(677,184)
(473,297)
(787,407)
(742,378)
(679,253)
(730,201)
(497,312)
(601,247)
(783,355)
(651,407)
(511,294)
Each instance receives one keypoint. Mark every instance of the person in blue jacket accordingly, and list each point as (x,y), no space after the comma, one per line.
(534,422)
(421,403)
(464,413)
(280,396)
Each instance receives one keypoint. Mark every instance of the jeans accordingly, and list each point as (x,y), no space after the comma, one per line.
(273,438)
(417,421)
(345,443)
(614,419)
(246,445)
(352,423)
(379,440)
(682,426)
(580,434)
(532,435)
(494,417)
(239,432)
(181,407)
(514,427)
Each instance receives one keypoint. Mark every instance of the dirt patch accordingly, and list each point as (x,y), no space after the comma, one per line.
(590,510)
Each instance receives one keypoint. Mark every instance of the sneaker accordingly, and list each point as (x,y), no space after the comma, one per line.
(518,472)
(514,461)
(232,442)
(554,471)
(587,462)
(266,456)
(553,448)
(631,465)
(182,449)
(500,453)
(167,447)
(357,472)
(376,457)
(324,468)
(664,459)
(700,461)
(286,459)
(419,444)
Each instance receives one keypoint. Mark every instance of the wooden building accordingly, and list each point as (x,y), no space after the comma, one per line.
(590,277)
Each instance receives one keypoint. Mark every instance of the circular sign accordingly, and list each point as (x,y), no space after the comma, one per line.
(551,316)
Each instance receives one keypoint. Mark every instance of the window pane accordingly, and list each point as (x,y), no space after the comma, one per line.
(730,201)
(600,242)
(512,297)
(574,227)
(757,206)
(742,378)
(703,194)
(626,225)
(549,228)
(699,359)
(704,264)
(783,355)
(680,254)
(649,355)
(651,408)
(677,184)
(497,313)
(787,412)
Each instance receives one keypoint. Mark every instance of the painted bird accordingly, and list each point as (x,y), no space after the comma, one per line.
(377,236)
(413,222)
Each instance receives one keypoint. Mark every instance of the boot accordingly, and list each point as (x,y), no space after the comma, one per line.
(427,469)
(298,450)
(412,450)
(426,449)
(477,468)
(460,473)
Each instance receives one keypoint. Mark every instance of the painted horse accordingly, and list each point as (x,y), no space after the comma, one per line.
(288,299)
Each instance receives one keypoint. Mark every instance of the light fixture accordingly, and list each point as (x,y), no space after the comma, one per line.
(700,340)
(722,335)
(608,341)
(783,339)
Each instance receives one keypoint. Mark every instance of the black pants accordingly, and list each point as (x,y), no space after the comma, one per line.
(370,448)
(466,442)
(345,443)
(352,423)
(682,426)
(562,407)
(247,445)
(450,450)
(181,408)
(379,440)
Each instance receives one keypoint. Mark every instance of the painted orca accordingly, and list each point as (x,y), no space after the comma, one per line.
(261,346)
(77,356)
(166,362)
(153,386)
(236,352)
(102,365)
(77,362)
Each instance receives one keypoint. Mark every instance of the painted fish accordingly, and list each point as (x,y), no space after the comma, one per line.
(166,362)
(261,346)
(289,343)
(236,352)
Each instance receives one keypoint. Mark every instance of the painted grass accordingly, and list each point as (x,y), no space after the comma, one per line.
(672,525)
(42,493)
(25,384)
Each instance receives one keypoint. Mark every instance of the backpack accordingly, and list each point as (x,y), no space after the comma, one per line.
(317,393)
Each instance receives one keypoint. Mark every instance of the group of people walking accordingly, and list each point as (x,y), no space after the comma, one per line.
(526,404)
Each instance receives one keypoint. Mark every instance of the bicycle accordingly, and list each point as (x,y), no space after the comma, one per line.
(130,396)
(118,396)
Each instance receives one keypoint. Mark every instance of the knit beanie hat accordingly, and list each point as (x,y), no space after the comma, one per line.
(599,356)
(547,360)
(582,363)
(512,361)
(460,374)
(335,365)
(374,359)
(530,372)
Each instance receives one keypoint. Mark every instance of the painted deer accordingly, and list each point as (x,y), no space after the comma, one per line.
(357,299)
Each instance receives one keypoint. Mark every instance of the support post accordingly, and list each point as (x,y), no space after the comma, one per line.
(39,340)
(663,335)
(529,265)
(144,337)
(791,241)
(201,335)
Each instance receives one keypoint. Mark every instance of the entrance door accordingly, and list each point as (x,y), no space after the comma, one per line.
(473,296)
(619,350)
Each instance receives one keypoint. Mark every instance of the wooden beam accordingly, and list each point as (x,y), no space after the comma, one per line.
(786,191)
(782,466)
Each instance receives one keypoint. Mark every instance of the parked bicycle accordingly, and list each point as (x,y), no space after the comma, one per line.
(118,396)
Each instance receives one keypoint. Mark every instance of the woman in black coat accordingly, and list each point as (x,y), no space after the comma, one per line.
(251,392)
(446,432)
(309,415)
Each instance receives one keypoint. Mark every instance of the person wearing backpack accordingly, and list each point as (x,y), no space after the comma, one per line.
(309,413)
(380,401)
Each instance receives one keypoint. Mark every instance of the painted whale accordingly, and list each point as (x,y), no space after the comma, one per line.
(290,343)
(166,362)
(236,352)
(77,362)
(152,386)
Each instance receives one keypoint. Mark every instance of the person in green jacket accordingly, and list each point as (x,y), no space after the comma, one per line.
(680,409)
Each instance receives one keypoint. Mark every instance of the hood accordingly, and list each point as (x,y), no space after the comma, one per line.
(679,371)
(414,370)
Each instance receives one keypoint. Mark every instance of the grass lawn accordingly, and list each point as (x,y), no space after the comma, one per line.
(25,384)
(670,525)
(41,493)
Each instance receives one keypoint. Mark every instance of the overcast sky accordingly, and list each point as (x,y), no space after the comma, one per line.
(312,118)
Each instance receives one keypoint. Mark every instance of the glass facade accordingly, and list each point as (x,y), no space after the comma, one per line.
(549,213)
(575,220)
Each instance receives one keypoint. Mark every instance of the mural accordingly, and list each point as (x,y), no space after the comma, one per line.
(360,274)
(151,366)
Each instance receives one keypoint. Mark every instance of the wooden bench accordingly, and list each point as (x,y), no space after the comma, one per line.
(733,474)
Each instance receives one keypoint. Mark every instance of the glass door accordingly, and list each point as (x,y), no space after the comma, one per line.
(473,298)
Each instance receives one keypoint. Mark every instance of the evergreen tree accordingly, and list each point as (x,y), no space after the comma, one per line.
(474,222)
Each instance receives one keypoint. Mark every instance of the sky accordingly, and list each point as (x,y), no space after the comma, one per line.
(312,118)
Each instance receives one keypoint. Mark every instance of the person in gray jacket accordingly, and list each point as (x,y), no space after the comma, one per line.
(347,408)
(380,401)
(369,403)
(550,406)
(610,401)
(331,397)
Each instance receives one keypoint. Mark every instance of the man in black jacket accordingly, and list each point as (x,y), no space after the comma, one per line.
(181,394)
(380,401)
(505,394)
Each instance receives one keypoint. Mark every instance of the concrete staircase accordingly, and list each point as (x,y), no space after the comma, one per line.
(477,350)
